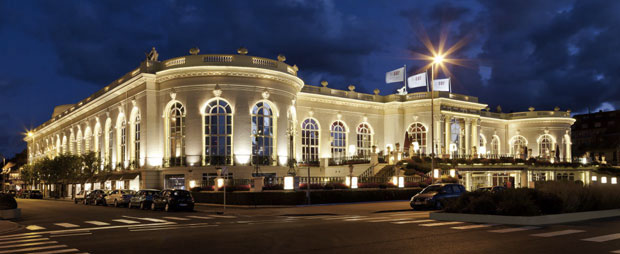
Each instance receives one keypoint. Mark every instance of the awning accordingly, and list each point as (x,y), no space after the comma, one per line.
(114,177)
(130,176)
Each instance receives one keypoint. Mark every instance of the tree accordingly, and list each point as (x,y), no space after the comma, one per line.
(90,166)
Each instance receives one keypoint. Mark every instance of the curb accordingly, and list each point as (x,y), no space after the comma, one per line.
(526,220)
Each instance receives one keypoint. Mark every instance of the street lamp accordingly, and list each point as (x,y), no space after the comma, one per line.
(437,59)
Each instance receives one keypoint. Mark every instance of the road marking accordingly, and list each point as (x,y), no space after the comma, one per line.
(557,233)
(603,238)
(171,227)
(63,235)
(56,251)
(20,236)
(361,218)
(34,248)
(38,234)
(441,224)
(388,220)
(34,227)
(223,216)
(411,221)
(175,218)
(127,221)
(23,241)
(475,226)
(26,244)
(97,223)
(343,217)
(244,222)
(67,225)
(510,230)
(616,251)
(146,219)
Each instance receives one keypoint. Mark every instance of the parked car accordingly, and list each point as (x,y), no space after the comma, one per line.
(119,197)
(34,194)
(95,197)
(142,199)
(173,199)
(79,197)
(493,189)
(435,195)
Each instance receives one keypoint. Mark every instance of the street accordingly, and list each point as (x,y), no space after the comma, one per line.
(386,227)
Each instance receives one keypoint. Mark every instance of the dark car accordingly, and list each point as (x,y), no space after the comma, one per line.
(143,198)
(173,199)
(494,189)
(435,195)
(34,194)
(95,197)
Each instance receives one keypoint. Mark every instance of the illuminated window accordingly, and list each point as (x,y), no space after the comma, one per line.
(262,133)
(495,145)
(176,134)
(339,140)
(518,146)
(122,143)
(136,141)
(310,141)
(78,142)
(417,133)
(71,143)
(364,140)
(545,147)
(218,132)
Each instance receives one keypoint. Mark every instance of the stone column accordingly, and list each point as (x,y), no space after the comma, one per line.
(475,137)
(467,136)
(437,135)
(447,134)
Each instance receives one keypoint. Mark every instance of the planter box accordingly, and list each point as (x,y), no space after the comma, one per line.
(10,214)
(526,220)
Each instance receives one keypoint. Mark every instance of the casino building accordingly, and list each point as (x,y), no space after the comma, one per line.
(171,123)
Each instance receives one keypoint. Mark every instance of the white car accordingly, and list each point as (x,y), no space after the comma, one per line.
(79,197)
(119,197)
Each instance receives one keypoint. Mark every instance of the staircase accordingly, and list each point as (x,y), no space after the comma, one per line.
(386,171)
(368,172)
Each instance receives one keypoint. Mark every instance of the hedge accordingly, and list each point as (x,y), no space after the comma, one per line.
(299,197)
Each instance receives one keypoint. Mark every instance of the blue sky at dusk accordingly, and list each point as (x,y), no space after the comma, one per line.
(518,53)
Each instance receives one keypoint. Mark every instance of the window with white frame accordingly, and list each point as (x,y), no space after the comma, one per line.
(545,147)
(417,133)
(364,140)
(218,132)
(176,138)
(495,145)
(122,143)
(339,140)
(136,141)
(310,141)
(78,142)
(519,146)
(262,132)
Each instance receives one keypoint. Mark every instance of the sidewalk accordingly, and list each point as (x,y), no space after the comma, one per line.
(59,199)
(8,226)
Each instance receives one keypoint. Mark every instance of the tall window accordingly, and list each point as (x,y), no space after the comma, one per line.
(78,142)
(364,140)
(339,140)
(122,143)
(545,147)
(495,145)
(176,127)
(519,146)
(87,137)
(218,132)
(110,146)
(310,141)
(136,141)
(417,133)
(262,133)
(64,145)
(72,143)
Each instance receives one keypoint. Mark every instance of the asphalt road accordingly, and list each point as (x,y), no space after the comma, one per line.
(383,227)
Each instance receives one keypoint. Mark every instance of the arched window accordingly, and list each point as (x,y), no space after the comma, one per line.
(122,143)
(495,145)
(96,137)
(87,138)
(176,135)
(136,141)
(58,146)
(72,143)
(519,146)
(262,133)
(339,140)
(64,145)
(416,133)
(310,141)
(218,132)
(364,140)
(108,142)
(545,147)
(78,142)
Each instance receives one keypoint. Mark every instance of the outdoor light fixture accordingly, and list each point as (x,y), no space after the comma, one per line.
(452,173)
(401,182)
(354,182)
(416,146)
(438,59)
(594,178)
(604,179)
(395,180)
(220,182)
(288,182)
(436,173)
(614,180)
(192,184)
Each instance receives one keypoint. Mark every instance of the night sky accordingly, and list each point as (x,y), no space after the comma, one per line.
(517,54)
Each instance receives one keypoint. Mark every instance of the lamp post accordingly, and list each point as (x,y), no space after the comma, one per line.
(438,59)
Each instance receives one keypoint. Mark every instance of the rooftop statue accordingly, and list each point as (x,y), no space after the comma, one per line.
(153,55)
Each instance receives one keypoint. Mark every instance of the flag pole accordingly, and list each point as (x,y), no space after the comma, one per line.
(405,78)
(432,125)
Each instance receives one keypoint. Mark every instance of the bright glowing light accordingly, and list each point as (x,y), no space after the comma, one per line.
(483,150)
(452,173)
(289,182)
(243,158)
(220,182)
(438,59)
(347,181)
(351,149)
(439,55)
(30,134)
(416,146)
(395,180)
(435,173)
(401,182)
(192,184)
(604,179)
(614,180)
(594,178)
(354,182)
(452,147)
(283,159)
(584,161)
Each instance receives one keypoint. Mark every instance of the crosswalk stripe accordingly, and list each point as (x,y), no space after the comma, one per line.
(97,223)
(26,244)
(510,230)
(411,221)
(557,233)
(175,218)
(13,237)
(441,224)
(2,242)
(34,227)
(342,217)
(200,217)
(388,220)
(616,251)
(603,238)
(126,221)
(152,219)
(34,248)
(66,225)
(475,226)
(223,216)
(55,251)
(362,218)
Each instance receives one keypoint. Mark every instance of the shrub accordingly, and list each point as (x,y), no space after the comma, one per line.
(513,202)
(313,186)
(273,187)
(240,187)
(368,185)
(410,184)
(7,202)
